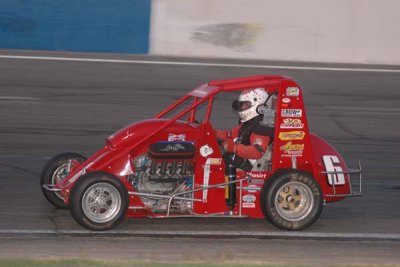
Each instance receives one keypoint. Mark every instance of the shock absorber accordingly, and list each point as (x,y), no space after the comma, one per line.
(232,186)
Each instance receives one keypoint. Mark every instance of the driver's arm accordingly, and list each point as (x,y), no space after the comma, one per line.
(225,135)
(259,144)
(256,149)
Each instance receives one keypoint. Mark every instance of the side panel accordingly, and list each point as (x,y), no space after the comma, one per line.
(292,144)
(250,197)
(209,171)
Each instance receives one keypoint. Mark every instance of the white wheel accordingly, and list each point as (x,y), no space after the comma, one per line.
(291,200)
(101,202)
(98,201)
(294,201)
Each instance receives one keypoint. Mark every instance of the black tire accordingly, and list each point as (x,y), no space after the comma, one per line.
(291,200)
(108,197)
(56,166)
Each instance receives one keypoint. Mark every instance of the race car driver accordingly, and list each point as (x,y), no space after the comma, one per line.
(249,140)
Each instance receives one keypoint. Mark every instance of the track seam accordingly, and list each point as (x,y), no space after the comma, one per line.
(208,234)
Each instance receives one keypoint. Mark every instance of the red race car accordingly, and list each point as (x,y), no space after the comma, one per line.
(175,166)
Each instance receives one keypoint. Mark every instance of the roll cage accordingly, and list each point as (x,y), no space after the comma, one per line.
(207,92)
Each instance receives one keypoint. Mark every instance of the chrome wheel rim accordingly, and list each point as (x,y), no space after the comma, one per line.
(101,202)
(294,201)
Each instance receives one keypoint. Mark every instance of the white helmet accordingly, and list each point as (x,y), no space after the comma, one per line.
(248,103)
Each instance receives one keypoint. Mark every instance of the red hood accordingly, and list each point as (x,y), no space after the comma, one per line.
(139,130)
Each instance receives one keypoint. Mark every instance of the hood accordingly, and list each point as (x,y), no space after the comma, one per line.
(135,132)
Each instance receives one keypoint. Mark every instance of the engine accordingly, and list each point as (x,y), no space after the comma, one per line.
(166,169)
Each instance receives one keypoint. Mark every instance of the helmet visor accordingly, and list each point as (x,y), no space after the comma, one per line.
(241,105)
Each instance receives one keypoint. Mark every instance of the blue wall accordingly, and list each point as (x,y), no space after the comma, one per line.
(119,26)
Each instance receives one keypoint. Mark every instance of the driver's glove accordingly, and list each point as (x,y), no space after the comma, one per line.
(229,145)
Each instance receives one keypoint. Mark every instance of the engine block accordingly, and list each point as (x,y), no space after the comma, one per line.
(166,169)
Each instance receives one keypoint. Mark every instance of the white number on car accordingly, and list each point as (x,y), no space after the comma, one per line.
(332,164)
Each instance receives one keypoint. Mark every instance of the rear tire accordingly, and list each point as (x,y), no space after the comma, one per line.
(54,171)
(98,201)
(291,200)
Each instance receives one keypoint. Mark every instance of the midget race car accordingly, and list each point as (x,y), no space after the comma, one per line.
(173,166)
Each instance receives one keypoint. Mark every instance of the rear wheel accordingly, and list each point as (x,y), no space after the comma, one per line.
(98,201)
(291,200)
(55,170)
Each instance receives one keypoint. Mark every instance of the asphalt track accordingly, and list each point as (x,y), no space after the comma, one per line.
(53,105)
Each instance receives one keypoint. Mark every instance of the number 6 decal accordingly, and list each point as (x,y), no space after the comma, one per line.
(332,164)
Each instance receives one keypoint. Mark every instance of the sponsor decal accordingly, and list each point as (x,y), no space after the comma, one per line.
(293,135)
(292,124)
(332,164)
(292,91)
(174,148)
(206,179)
(290,112)
(285,105)
(214,161)
(291,149)
(176,137)
(257,181)
(257,175)
(252,188)
(206,151)
(249,205)
(286,100)
(249,198)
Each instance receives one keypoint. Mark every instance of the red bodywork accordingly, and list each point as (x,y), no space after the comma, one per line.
(294,147)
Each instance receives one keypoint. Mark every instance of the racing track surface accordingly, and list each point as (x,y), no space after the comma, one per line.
(49,107)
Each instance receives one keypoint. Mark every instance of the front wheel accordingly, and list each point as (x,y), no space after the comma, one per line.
(98,201)
(55,170)
(291,200)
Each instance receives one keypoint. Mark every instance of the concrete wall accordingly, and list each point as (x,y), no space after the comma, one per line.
(355,31)
(120,26)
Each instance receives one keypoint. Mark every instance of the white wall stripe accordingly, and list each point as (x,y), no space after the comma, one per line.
(199,64)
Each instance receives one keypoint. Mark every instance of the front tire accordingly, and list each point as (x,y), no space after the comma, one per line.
(291,200)
(54,171)
(98,201)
